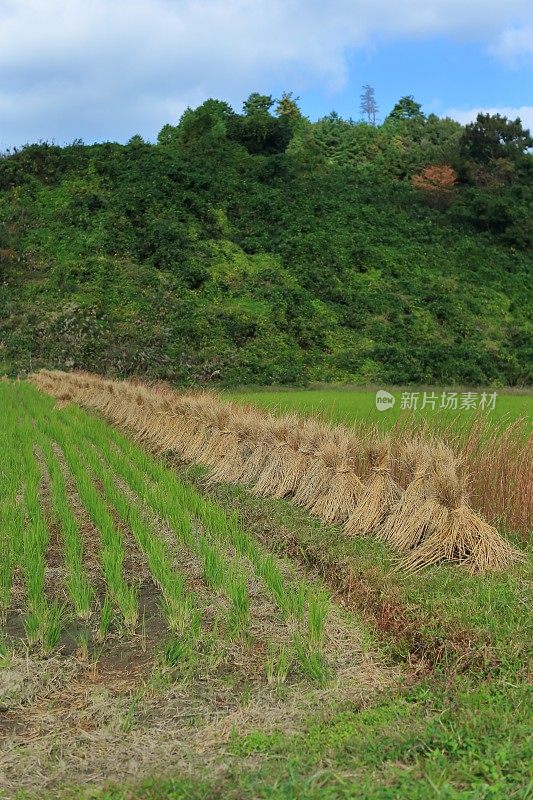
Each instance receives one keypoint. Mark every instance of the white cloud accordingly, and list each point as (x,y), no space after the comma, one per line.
(108,68)
(465,115)
(515,45)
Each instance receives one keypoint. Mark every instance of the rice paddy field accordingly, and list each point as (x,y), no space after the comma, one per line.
(442,406)
(201,600)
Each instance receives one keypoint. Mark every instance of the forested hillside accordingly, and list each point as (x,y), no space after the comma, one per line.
(262,248)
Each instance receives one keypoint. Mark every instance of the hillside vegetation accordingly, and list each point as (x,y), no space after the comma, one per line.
(261,248)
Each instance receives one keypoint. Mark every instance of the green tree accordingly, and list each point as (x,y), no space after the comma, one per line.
(287,106)
(407,108)
(492,136)
(257,104)
(258,130)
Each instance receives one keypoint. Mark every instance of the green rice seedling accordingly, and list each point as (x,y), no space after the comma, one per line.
(106,617)
(181,655)
(5,653)
(298,600)
(82,639)
(181,616)
(13,523)
(35,541)
(129,717)
(10,513)
(130,607)
(213,565)
(81,592)
(32,627)
(237,588)
(51,632)
(317,611)
(278,664)
(270,573)
(6,568)
(312,663)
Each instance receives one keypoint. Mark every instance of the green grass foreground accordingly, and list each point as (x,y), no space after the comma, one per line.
(348,405)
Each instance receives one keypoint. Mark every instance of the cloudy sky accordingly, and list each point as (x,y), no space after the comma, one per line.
(107,69)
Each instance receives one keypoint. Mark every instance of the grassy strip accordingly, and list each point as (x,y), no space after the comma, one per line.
(351,404)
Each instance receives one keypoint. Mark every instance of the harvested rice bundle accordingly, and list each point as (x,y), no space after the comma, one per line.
(456,532)
(223,436)
(231,465)
(139,412)
(345,487)
(257,453)
(380,493)
(276,468)
(319,447)
(317,480)
(172,427)
(198,436)
(196,429)
(403,528)
(308,436)
(294,464)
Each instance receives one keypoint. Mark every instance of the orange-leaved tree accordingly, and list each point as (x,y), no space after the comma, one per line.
(437,183)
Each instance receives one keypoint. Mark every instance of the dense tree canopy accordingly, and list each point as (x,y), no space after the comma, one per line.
(263,248)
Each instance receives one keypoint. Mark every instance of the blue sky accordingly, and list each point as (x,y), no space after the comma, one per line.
(441,73)
(106,69)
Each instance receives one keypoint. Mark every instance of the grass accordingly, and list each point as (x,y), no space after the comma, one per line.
(461,730)
(453,720)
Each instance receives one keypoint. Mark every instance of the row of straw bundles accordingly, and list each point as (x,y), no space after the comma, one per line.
(331,471)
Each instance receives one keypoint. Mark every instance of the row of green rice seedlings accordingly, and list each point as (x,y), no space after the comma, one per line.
(77,582)
(167,494)
(8,482)
(24,528)
(291,599)
(43,619)
(219,572)
(171,495)
(112,553)
(179,604)
(172,500)
(11,512)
